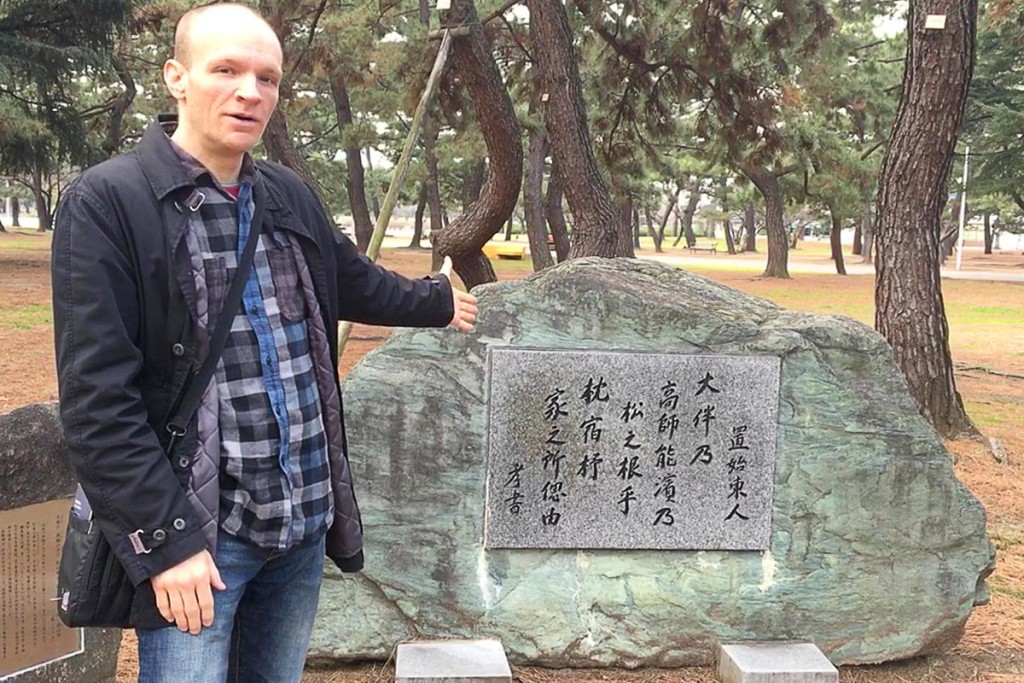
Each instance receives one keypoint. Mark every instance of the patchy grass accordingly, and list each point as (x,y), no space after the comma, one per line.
(26,317)
(24,240)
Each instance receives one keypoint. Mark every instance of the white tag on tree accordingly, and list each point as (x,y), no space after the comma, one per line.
(935,22)
(444,4)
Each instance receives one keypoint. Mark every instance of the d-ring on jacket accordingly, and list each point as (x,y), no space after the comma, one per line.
(124,318)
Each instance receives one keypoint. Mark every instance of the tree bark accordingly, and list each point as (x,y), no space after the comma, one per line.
(417,224)
(988,233)
(355,179)
(473,61)
(533,198)
(767,183)
(909,309)
(15,212)
(596,228)
(835,237)
(554,214)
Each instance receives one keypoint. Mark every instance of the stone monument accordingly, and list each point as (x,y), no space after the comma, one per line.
(504,497)
(36,485)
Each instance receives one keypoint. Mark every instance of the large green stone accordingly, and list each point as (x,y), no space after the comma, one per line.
(877,551)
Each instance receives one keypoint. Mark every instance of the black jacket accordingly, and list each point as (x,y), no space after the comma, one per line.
(123,298)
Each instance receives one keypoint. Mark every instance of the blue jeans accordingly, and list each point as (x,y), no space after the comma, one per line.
(261,625)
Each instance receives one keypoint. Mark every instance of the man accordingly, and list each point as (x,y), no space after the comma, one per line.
(224,539)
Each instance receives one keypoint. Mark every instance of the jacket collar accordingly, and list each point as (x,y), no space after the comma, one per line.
(160,163)
(167,174)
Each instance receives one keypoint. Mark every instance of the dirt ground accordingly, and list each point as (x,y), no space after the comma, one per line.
(990,377)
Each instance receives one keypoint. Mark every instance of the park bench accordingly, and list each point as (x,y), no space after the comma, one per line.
(504,250)
(694,248)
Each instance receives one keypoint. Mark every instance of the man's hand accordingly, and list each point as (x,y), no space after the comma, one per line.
(183,593)
(464,303)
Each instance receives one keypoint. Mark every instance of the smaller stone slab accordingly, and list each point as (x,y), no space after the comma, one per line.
(452,661)
(775,663)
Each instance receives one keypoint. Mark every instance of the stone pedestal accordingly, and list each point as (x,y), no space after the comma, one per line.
(452,661)
(775,663)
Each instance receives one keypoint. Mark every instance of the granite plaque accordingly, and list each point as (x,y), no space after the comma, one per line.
(30,544)
(601,449)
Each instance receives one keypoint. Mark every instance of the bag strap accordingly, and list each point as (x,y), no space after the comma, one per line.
(178,425)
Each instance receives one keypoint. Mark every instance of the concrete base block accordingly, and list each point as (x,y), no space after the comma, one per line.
(774,663)
(452,661)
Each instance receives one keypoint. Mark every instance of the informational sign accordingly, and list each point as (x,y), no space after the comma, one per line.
(30,544)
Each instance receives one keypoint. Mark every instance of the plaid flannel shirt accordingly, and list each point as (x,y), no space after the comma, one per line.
(274,471)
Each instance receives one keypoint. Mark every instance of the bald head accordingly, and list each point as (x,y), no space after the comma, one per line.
(213,16)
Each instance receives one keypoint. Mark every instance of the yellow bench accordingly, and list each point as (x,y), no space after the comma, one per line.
(504,250)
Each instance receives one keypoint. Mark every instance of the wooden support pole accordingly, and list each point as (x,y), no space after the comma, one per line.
(384,217)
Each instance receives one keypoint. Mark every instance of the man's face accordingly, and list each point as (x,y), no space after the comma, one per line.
(229,88)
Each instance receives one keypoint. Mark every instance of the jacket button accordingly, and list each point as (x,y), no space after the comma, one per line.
(183,462)
(159,536)
(179,524)
(178,350)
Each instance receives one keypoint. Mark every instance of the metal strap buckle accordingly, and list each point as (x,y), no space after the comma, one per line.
(195,200)
(136,538)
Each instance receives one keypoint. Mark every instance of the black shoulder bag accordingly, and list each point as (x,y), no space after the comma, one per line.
(93,588)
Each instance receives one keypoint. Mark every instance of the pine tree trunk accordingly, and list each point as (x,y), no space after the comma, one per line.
(15,212)
(691,208)
(988,233)
(596,229)
(729,243)
(42,202)
(533,188)
(280,148)
(554,214)
(767,184)
(673,200)
(533,201)
(836,237)
(473,63)
(473,183)
(750,223)
(909,309)
(867,231)
(355,180)
(657,236)
(119,106)
(417,224)
(374,200)
(430,132)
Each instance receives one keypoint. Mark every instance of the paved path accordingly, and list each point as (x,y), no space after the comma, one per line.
(797,266)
